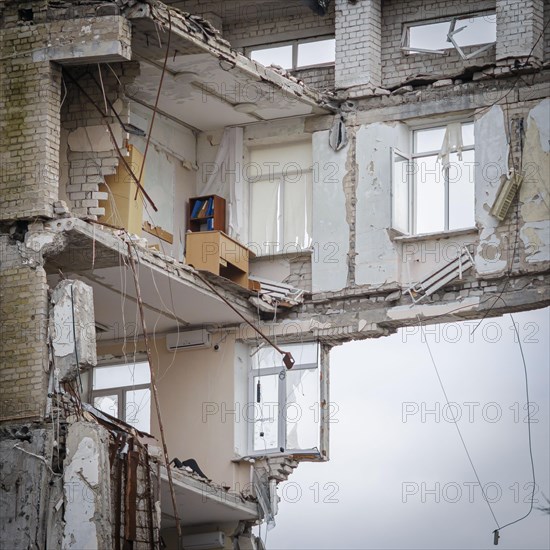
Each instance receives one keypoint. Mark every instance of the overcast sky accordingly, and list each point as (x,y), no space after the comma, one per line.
(389,465)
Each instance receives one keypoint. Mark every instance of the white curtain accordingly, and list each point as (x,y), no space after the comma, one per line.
(226,180)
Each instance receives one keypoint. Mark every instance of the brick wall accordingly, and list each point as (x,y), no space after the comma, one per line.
(29,125)
(397,66)
(88,162)
(358,43)
(23,334)
(519,25)
(320,78)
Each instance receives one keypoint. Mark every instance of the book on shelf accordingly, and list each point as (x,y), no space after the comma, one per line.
(203,210)
(196,208)
(210,208)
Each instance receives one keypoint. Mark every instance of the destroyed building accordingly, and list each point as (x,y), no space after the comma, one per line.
(187,229)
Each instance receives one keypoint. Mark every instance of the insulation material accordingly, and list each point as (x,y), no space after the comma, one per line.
(452,143)
(226,179)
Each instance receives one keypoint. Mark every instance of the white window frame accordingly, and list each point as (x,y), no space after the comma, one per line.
(453,21)
(412,179)
(119,391)
(295,45)
(323,415)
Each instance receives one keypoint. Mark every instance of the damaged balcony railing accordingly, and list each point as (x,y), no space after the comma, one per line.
(455,268)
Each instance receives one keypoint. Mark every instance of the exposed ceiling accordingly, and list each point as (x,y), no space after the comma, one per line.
(205,91)
(200,503)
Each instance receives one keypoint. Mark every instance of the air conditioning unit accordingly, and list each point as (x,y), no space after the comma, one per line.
(203,541)
(190,339)
(506,195)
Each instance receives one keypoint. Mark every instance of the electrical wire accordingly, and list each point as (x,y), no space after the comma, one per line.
(528,430)
(455,421)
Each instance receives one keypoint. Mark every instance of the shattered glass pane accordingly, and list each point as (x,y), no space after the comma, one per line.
(117,376)
(138,409)
(477,30)
(302,412)
(266,412)
(108,404)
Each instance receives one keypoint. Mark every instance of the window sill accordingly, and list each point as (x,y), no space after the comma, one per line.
(436,235)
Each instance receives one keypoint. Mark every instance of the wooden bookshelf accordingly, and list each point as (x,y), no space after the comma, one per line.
(206,213)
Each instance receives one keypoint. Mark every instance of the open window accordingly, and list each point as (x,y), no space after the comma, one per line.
(433,190)
(286,403)
(296,54)
(457,33)
(123,391)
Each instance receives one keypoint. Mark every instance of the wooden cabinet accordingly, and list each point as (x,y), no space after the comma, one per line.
(218,253)
(206,213)
(121,210)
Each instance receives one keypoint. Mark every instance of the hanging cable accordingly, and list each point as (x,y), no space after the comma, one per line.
(455,421)
(155,393)
(496,531)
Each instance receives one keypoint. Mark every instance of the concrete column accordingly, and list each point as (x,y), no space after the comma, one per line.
(358,43)
(519,26)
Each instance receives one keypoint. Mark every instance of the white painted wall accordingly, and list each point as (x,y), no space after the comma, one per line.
(376,259)
(491,163)
(331,232)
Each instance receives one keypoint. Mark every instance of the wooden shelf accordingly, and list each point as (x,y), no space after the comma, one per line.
(212,221)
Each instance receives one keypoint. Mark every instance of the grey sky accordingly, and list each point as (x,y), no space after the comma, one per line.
(378,460)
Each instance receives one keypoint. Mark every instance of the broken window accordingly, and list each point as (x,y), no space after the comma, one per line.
(280,179)
(297,54)
(433,190)
(458,33)
(285,403)
(123,391)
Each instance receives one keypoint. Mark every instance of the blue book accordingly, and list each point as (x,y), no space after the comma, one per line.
(210,224)
(196,208)
(210,209)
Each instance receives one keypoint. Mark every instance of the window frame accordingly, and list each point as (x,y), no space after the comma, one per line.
(445,173)
(407,49)
(295,43)
(412,179)
(280,229)
(321,371)
(120,391)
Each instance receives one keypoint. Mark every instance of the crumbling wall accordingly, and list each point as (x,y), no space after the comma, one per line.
(320,78)
(23,331)
(29,126)
(28,486)
(86,481)
(72,329)
(91,154)
(397,65)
